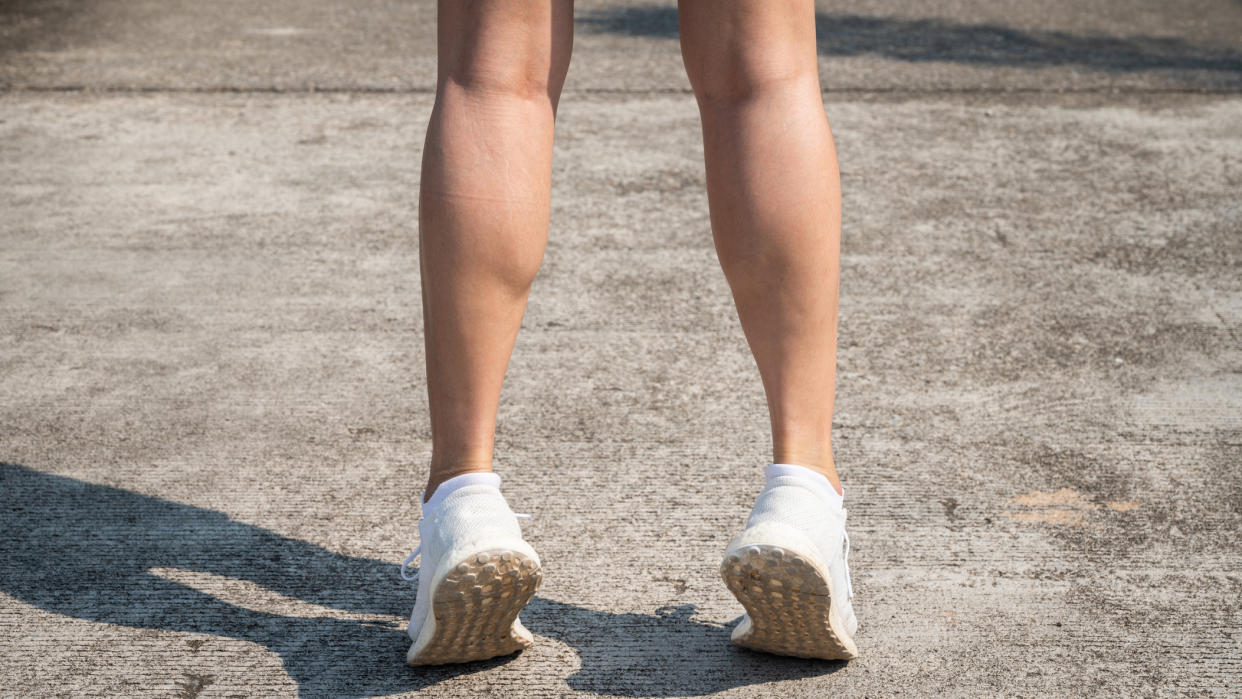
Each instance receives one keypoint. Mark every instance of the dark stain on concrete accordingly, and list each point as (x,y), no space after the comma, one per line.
(192,685)
(950,508)
(679,585)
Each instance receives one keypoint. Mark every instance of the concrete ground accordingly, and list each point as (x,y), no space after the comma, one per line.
(213,421)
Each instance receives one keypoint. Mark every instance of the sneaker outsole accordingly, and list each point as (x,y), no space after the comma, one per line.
(789,604)
(475,608)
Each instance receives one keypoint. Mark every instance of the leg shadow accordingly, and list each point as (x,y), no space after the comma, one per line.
(664,654)
(101,554)
(88,551)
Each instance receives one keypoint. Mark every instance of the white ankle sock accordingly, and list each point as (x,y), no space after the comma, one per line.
(819,480)
(447,487)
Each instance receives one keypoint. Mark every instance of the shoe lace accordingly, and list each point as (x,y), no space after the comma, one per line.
(419,549)
(410,559)
(849,586)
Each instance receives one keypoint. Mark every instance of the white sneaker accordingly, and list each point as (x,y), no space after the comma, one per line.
(476,575)
(789,569)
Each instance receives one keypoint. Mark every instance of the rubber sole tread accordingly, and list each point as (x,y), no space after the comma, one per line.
(789,604)
(476,606)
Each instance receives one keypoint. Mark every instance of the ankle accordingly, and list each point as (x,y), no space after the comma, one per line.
(818,480)
(820,462)
(451,485)
(440,474)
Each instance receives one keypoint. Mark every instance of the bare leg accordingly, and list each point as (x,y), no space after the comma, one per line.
(484,202)
(775,196)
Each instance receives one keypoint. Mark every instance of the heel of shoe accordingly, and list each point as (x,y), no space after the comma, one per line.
(475,606)
(787,595)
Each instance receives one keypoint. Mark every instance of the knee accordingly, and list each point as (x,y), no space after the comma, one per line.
(503,51)
(735,77)
(735,52)
(486,74)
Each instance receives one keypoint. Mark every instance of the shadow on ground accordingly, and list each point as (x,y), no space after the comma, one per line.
(918,40)
(88,551)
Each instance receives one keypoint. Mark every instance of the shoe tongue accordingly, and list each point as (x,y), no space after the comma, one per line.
(456,483)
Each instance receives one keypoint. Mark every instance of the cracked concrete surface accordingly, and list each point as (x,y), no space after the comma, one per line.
(213,426)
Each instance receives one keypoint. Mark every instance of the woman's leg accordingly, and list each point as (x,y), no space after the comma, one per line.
(484,201)
(775,197)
